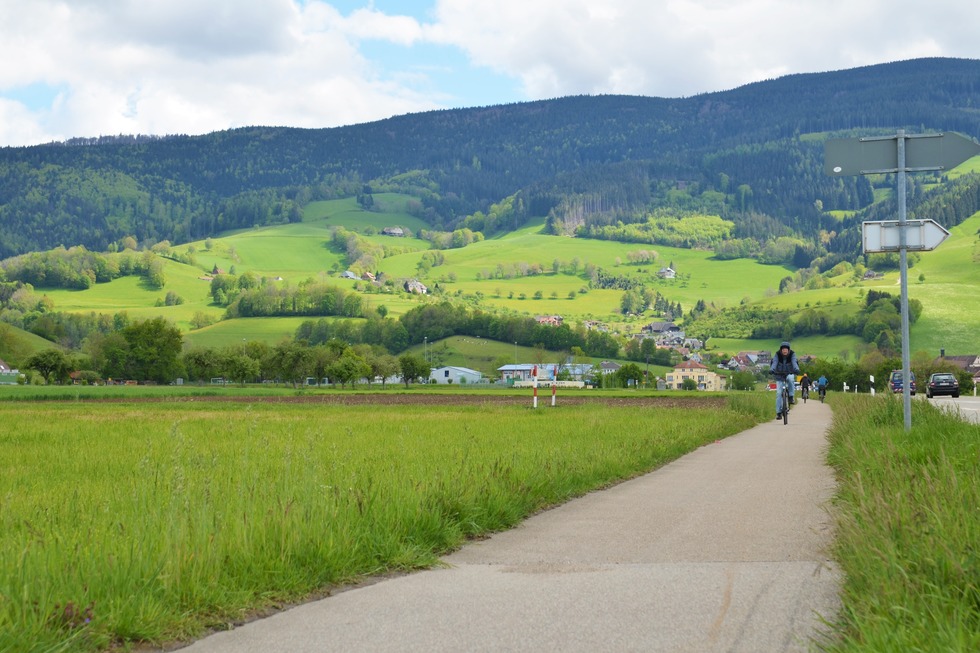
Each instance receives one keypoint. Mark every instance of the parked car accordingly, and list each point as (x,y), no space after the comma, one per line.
(896,382)
(943,383)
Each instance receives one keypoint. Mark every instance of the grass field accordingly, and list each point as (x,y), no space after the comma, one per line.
(149,522)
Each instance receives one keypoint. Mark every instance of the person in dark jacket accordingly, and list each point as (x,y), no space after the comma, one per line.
(785,367)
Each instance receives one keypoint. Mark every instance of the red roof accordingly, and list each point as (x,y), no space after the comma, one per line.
(690,365)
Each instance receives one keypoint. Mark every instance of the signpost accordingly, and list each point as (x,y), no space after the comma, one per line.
(886,235)
(899,155)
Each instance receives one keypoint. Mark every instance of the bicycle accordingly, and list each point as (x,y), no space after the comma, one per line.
(785,397)
(822,392)
(805,393)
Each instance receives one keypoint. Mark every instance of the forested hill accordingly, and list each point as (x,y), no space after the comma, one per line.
(752,155)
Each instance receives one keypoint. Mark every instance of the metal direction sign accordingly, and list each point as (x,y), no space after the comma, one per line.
(899,154)
(885,235)
(923,152)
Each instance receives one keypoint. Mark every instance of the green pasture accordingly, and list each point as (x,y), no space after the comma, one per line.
(292,251)
(701,276)
(147,523)
(17,345)
(133,295)
(226,333)
(389,211)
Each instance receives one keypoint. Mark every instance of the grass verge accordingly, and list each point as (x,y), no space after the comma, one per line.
(908,534)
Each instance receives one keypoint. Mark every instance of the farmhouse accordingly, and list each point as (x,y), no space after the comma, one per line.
(393,231)
(549,320)
(705,378)
(609,367)
(660,328)
(347,274)
(453,374)
(666,273)
(416,287)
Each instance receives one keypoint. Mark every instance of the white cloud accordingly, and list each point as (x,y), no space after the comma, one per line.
(680,47)
(192,66)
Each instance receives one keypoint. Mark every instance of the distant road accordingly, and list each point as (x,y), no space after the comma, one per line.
(968,406)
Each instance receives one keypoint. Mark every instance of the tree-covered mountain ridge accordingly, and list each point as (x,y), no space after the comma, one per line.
(602,166)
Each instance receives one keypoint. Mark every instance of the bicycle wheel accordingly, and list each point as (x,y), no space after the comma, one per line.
(785,407)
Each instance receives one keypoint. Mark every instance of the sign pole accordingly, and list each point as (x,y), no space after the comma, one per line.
(911,153)
(904,279)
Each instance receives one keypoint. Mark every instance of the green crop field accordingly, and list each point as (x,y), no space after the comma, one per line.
(149,522)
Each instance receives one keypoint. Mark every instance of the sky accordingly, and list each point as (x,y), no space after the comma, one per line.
(83,68)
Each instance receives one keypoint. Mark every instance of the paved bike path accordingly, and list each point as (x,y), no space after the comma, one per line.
(726,549)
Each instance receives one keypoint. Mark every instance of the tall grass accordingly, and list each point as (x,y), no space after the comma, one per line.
(908,527)
(143,522)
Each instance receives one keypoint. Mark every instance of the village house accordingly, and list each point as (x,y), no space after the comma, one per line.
(609,367)
(700,374)
(660,328)
(549,320)
(416,287)
(970,363)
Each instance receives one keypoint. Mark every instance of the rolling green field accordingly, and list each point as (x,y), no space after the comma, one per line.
(296,252)
(151,522)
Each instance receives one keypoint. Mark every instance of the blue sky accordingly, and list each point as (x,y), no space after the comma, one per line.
(91,67)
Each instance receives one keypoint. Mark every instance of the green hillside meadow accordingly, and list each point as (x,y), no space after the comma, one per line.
(296,252)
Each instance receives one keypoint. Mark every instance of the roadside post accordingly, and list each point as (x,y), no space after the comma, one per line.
(899,154)
(534,384)
(554,384)
(871,378)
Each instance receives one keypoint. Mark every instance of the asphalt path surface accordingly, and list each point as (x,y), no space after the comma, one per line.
(726,549)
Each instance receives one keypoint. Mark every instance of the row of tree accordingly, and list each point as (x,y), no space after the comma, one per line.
(124,358)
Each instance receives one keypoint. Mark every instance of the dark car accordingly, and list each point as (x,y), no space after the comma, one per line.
(943,383)
(896,381)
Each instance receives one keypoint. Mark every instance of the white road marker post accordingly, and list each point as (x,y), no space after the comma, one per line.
(534,384)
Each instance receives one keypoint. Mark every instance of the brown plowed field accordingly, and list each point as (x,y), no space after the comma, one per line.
(426,399)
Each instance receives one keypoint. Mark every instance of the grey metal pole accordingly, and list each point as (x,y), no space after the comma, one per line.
(904,278)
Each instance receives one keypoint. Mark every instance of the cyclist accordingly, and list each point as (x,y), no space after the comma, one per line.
(805,386)
(785,368)
(822,384)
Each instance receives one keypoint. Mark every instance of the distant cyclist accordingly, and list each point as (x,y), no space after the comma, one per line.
(785,368)
(822,384)
(805,386)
